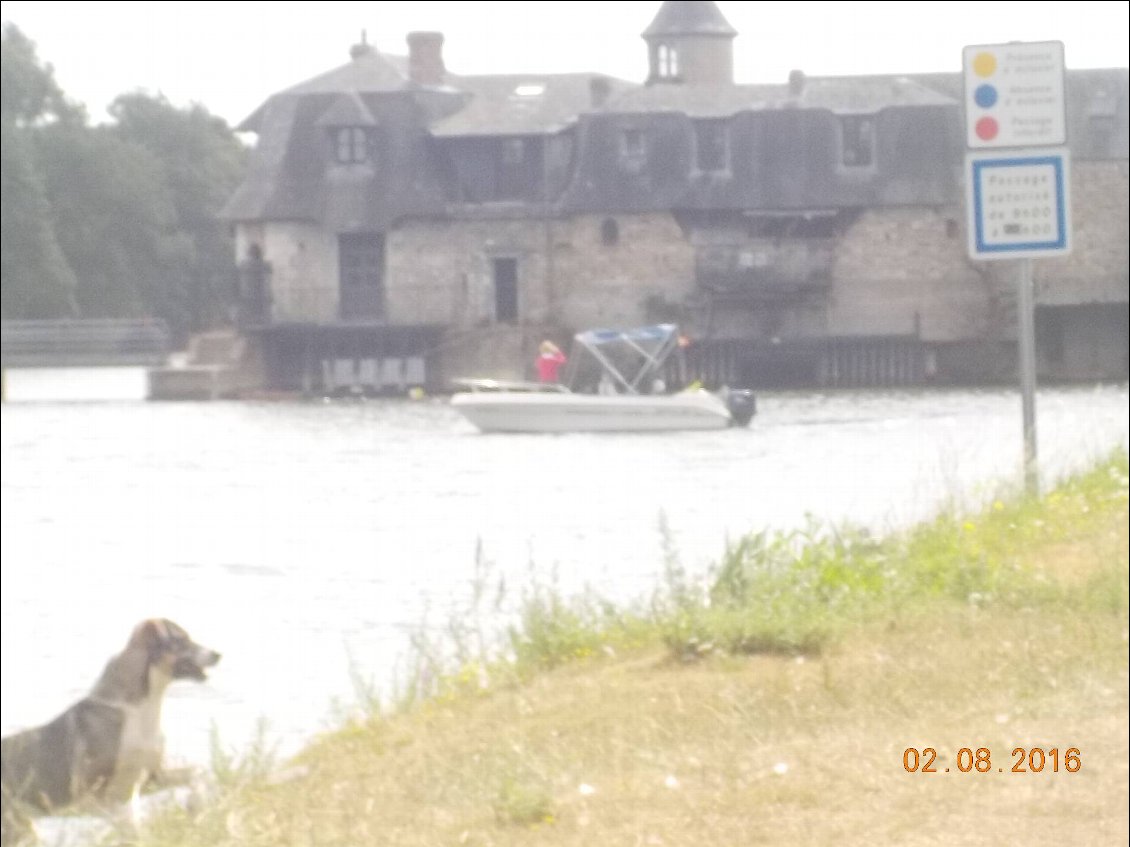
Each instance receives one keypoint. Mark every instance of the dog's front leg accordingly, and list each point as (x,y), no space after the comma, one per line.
(124,817)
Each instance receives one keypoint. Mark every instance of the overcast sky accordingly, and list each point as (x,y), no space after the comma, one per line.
(229,56)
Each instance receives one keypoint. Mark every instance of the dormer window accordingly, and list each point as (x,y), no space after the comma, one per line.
(351,145)
(633,149)
(666,61)
(712,146)
(857,141)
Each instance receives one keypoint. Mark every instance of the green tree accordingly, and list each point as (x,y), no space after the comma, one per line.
(118,220)
(201,162)
(28,91)
(116,223)
(35,279)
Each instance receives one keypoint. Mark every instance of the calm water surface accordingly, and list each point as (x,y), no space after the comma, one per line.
(305,539)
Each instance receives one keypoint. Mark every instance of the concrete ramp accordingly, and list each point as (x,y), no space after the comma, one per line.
(216,365)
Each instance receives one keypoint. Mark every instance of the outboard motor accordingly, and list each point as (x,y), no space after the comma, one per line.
(742,405)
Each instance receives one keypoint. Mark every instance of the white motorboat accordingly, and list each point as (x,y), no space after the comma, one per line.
(609,375)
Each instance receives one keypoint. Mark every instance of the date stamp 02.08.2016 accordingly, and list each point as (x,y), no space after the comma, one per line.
(980,760)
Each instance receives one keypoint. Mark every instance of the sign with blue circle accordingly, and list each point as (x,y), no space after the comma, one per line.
(985,96)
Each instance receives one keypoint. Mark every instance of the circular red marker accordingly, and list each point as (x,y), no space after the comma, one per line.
(987,129)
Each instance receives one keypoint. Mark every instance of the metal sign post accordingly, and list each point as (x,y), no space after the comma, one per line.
(1017,199)
(1026,341)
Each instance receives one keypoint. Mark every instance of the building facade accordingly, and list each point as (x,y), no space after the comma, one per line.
(404,225)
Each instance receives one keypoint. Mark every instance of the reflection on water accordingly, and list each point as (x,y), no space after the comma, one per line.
(303,539)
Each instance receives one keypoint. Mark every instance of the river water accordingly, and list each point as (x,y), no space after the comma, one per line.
(309,541)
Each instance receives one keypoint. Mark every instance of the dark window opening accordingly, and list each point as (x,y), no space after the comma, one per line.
(712,146)
(515,170)
(857,141)
(506,290)
(609,232)
(361,273)
(792,226)
(351,145)
(1051,335)
(632,148)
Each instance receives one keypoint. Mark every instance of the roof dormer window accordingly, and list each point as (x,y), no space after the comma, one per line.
(666,61)
(351,145)
(712,146)
(857,141)
(633,149)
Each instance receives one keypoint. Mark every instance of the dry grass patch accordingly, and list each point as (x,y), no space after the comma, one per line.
(751,750)
(642,748)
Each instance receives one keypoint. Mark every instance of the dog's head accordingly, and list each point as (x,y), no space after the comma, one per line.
(170,650)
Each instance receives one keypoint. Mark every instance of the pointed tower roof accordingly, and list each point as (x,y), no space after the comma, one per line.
(689,17)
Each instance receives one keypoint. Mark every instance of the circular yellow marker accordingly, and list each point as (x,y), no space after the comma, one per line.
(984,64)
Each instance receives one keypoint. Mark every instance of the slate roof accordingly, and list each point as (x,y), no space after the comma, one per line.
(843,95)
(348,109)
(783,141)
(525,104)
(689,17)
(367,73)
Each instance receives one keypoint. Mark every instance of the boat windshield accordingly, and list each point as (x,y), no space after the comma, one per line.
(630,360)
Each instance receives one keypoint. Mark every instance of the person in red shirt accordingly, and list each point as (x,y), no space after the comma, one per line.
(550,360)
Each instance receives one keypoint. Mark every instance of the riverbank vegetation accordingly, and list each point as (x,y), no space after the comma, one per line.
(801,695)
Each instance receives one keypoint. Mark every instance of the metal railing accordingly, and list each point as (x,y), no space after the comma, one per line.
(84,343)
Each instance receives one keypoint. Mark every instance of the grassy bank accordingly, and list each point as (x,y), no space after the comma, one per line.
(771,704)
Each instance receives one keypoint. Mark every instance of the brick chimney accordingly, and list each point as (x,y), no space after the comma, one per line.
(425,58)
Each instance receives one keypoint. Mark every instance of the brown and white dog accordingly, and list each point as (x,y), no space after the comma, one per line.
(107,745)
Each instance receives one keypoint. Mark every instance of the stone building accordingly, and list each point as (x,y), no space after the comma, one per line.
(413,225)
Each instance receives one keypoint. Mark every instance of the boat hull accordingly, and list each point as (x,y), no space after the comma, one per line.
(567,412)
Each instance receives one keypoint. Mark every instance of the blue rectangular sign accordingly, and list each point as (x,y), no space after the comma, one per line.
(1018,204)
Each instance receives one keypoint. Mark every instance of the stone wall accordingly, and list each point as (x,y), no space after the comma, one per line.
(304,273)
(1095,271)
(649,263)
(895,272)
(442,272)
(904,271)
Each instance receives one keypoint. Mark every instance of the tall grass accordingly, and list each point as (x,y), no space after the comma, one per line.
(790,592)
(798,593)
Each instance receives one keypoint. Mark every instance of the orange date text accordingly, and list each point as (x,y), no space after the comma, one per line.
(980,760)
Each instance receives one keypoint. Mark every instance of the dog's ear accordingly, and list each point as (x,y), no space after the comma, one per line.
(150,635)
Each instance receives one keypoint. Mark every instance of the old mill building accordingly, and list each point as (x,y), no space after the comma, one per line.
(402,224)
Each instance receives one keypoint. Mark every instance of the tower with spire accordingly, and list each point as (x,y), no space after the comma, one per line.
(690,42)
